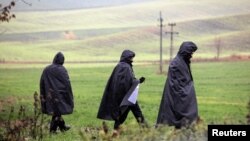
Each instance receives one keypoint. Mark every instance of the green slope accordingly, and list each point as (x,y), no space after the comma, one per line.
(102,33)
(134,15)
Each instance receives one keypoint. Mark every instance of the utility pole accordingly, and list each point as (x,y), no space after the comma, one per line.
(171,38)
(161,25)
(218,47)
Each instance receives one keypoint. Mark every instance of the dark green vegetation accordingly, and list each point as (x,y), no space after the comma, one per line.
(222,91)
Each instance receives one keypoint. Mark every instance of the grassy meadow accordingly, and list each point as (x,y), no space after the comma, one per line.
(222,91)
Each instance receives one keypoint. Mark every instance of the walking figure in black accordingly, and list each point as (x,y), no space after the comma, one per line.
(178,104)
(56,93)
(122,82)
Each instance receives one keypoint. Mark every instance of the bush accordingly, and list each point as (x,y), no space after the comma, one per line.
(21,127)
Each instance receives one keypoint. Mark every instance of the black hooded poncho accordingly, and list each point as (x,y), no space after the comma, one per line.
(118,86)
(178,105)
(55,88)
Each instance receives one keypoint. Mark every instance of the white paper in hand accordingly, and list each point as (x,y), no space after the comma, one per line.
(134,95)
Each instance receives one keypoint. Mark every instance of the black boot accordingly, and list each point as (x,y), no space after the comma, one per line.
(142,122)
(53,124)
(62,125)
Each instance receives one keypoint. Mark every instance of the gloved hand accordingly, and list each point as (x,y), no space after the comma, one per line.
(142,79)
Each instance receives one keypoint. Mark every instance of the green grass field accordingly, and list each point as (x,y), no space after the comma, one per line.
(222,91)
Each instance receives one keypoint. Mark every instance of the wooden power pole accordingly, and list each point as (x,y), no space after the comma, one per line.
(171,39)
(218,47)
(161,25)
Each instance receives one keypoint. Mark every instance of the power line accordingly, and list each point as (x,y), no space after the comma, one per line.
(171,39)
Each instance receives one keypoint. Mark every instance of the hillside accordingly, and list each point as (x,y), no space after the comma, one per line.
(133,15)
(101,33)
(45,5)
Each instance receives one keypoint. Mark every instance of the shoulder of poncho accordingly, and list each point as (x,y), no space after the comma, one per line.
(176,62)
(123,65)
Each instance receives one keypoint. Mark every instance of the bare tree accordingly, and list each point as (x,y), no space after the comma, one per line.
(5,12)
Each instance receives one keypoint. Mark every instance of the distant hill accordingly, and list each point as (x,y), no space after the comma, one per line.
(45,5)
(101,33)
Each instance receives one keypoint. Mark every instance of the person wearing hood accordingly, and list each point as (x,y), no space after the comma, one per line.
(114,105)
(56,94)
(178,104)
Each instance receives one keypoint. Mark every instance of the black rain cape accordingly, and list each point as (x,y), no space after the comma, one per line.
(119,87)
(55,89)
(178,105)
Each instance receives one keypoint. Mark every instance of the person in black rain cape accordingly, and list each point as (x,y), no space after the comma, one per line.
(115,105)
(178,104)
(56,93)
